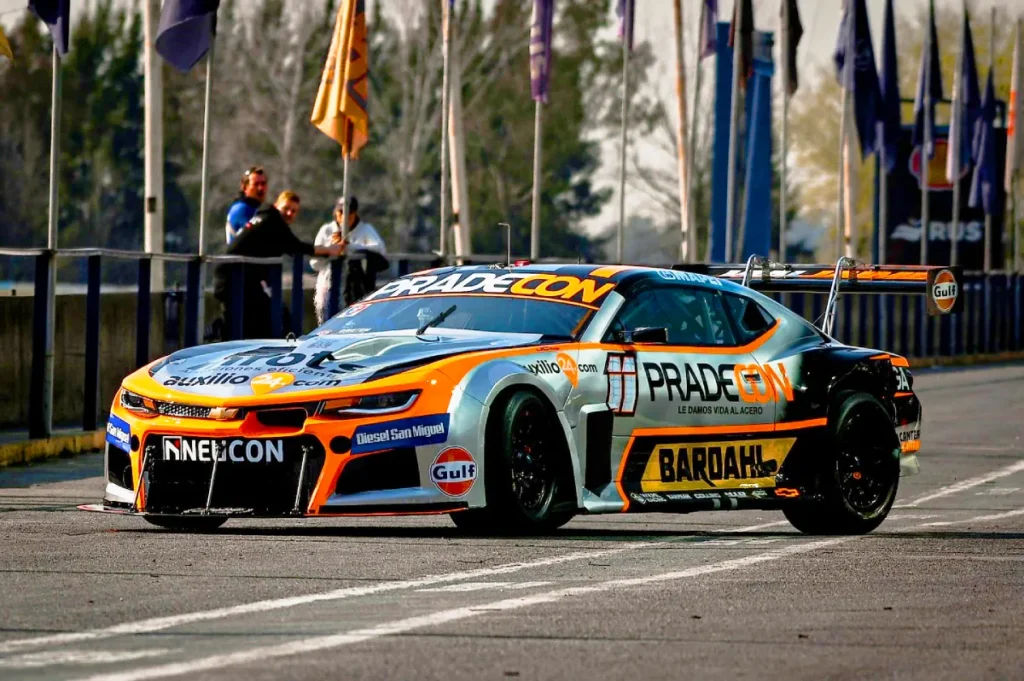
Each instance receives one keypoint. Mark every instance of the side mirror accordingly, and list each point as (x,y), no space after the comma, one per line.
(644,334)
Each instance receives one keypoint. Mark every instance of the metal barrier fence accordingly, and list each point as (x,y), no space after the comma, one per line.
(991,321)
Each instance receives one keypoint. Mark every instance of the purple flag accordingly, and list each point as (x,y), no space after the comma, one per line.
(708,38)
(983,183)
(929,86)
(855,69)
(185,31)
(540,48)
(626,11)
(56,14)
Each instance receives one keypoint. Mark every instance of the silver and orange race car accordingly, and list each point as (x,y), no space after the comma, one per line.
(514,398)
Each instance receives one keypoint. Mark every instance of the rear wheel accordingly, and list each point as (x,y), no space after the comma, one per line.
(858,479)
(199,523)
(524,473)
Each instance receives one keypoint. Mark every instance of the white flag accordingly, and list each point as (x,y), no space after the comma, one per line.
(1015,131)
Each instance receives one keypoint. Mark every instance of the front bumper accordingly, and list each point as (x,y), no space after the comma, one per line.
(308,471)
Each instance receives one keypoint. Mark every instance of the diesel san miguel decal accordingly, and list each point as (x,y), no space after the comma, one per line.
(745,385)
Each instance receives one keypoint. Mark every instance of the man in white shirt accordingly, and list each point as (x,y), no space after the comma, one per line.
(362,238)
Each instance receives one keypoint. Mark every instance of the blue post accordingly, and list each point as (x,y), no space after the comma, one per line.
(143,313)
(236,298)
(193,291)
(720,156)
(987,302)
(758,181)
(404,267)
(890,321)
(337,266)
(37,416)
(921,342)
(298,301)
(276,301)
(904,325)
(92,344)
(1016,311)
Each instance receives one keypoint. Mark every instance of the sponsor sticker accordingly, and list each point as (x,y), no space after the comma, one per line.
(119,433)
(453,472)
(527,284)
(695,466)
(177,448)
(943,291)
(750,383)
(415,432)
(622,384)
(211,380)
(266,383)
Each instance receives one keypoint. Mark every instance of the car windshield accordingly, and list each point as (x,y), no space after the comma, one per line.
(505,314)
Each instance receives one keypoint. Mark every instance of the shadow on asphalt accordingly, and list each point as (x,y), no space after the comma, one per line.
(581,535)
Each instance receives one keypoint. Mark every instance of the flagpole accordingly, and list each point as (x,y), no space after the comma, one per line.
(954,146)
(538,126)
(446,36)
(457,153)
(926,142)
(627,21)
(682,152)
(783,170)
(851,242)
(840,196)
(154,145)
(203,184)
(46,416)
(734,120)
(691,236)
(987,241)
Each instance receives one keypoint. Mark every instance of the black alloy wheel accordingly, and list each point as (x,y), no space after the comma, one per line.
(858,477)
(531,465)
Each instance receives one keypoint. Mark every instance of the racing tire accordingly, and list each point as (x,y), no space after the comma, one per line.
(196,524)
(525,471)
(859,477)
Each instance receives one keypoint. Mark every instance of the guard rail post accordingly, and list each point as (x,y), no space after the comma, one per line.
(236,301)
(1017,321)
(403,267)
(986,328)
(298,300)
(276,301)
(92,343)
(143,313)
(40,398)
(337,266)
(193,294)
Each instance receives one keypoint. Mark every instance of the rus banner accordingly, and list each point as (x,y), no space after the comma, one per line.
(904,245)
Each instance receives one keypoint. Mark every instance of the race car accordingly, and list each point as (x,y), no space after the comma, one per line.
(516,397)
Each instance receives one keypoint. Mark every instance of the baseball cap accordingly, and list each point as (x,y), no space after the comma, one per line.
(353,204)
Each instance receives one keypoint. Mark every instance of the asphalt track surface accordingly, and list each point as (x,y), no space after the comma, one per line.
(936,593)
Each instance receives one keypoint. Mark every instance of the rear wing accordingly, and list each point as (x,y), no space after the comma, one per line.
(940,285)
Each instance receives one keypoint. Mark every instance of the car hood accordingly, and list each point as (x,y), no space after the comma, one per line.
(316,362)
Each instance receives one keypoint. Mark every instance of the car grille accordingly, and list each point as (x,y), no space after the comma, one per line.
(177,478)
(186,411)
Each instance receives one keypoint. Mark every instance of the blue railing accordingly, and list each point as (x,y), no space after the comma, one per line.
(991,321)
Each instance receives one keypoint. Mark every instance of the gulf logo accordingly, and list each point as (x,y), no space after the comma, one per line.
(453,471)
(945,290)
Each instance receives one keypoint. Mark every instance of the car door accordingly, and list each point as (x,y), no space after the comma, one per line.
(693,411)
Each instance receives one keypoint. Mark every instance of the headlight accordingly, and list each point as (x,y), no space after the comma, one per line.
(385,403)
(137,404)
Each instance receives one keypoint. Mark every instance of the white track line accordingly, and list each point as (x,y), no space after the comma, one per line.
(168,622)
(965,485)
(445,616)
(455,614)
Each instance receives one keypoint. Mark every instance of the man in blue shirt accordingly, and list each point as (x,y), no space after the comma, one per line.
(252,192)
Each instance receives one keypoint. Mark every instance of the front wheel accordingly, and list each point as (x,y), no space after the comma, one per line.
(198,524)
(858,479)
(524,471)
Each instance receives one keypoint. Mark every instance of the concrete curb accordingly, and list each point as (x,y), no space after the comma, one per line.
(15,453)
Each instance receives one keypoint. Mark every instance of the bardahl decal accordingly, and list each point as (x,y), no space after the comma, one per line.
(685,467)
(529,284)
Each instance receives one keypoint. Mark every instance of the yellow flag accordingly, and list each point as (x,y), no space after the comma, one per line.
(5,47)
(340,108)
